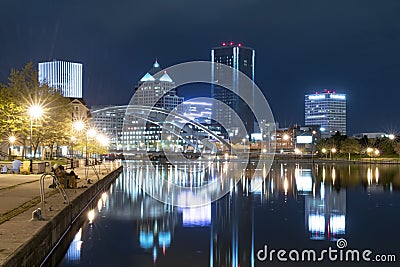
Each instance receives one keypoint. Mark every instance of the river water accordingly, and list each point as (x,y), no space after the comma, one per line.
(297,209)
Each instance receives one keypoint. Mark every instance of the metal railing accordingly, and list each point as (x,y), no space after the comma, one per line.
(57,185)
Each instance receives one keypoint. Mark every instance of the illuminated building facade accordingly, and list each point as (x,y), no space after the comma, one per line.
(151,91)
(157,91)
(199,111)
(110,120)
(154,89)
(240,58)
(62,75)
(328,110)
(283,140)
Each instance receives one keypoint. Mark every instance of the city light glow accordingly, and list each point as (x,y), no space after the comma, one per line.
(341,97)
(78,125)
(315,97)
(12,139)
(102,139)
(91,132)
(35,111)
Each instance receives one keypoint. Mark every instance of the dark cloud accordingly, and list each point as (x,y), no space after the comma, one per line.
(301,46)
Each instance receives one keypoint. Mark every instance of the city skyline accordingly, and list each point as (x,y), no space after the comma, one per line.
(344,46)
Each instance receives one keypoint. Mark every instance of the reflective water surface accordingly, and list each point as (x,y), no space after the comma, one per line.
(296,207)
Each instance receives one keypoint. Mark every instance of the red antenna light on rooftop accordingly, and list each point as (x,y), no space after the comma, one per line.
(239,44)
(231,43)
(223,44)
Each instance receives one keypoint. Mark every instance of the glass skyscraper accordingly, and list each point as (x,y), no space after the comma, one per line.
(242,59)
(62,75)
(327,110)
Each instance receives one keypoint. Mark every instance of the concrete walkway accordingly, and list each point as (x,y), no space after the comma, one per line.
(20,195)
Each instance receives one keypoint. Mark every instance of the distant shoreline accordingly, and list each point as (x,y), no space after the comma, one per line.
(337,161)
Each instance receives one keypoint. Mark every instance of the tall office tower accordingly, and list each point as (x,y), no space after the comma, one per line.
(327,110)
(62,75)
(242,59)
(160,90)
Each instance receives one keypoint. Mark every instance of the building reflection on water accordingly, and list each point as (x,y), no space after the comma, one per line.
(324,204)
(230,220)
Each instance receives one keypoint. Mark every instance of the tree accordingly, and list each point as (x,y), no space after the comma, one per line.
(12,121)
(350,146)
(321,144)
(397,148)
(386,146)
(54,127)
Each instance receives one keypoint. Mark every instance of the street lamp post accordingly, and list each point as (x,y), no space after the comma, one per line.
(312,145)
(333,150)
(35,112)
(369,151)
(89,133)
(376,153)
(73,139)
(78,126)
(324,151)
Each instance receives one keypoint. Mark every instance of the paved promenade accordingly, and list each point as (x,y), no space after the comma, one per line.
(20,196)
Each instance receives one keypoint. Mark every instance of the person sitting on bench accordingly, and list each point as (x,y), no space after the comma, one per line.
(67,179)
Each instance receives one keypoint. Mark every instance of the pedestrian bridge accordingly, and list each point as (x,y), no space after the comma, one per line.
(171,123)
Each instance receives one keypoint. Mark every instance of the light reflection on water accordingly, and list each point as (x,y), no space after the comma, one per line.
(296,206)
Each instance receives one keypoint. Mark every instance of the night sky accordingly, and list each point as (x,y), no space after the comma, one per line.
(351,46)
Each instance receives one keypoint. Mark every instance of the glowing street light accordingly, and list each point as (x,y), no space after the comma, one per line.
(91,132)
(333,151)
(78,125)
(12,139)
(372,152)
(392,136)
(324,151)
(102,139)
(35,112)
